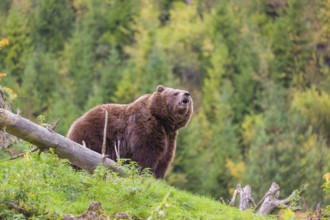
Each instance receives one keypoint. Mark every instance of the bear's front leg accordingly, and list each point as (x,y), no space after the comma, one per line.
(147,159)
(149,153)
(168,156)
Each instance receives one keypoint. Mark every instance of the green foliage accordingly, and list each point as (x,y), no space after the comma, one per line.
(40,80)
(14,57)
(48,187)
(288,35)
(5,5)
(216,146)
(110,76)
(315,108)
(126,88)
(326,188)
(120,27)
(78,59)
(51,24)
(157,71)
(280,137)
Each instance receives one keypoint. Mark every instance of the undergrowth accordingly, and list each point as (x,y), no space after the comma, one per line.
(46,187)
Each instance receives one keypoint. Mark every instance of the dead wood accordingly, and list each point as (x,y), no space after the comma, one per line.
(104,143)
(245,197)
(6,140)
(22,154)
(270,200)
(267,204)
(44,139)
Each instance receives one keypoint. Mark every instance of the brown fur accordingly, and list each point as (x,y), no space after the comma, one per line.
(145,130)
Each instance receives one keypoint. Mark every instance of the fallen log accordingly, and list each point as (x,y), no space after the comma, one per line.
(44,139)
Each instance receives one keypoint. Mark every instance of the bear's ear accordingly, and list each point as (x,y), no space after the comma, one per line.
(160,88)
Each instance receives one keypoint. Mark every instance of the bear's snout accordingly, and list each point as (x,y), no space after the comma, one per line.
(185,99)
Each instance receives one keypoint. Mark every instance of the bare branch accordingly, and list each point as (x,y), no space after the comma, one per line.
(117,150)
(54,124)
(236,192)
(104,144)
(22,154)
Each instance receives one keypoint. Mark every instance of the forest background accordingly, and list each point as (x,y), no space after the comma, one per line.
(258,71)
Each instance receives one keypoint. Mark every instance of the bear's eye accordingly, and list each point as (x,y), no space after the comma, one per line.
(176,94)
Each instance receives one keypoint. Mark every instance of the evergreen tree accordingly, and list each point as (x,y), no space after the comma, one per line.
(120,26)
(237,34)
(157,71)
(126,88)
(5,6)
(79,60)
(14,57)
(111,73)
(51,24)
(40,82)
(288,35)
(282,137)
(110,23)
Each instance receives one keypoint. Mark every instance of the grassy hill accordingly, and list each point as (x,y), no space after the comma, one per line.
(46,187)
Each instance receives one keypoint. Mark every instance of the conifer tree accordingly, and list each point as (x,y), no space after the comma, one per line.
(4,7)
(236,34)
(79,60)
(111,73)
(157,71)
(287,32)
(127,89)
(285,150)
(40,82)
(120,26)
(14,57)
(51,24)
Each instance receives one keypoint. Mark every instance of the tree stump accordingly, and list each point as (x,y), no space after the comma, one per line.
(267,204)
(245,197)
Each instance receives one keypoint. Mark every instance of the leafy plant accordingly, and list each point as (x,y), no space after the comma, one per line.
(45,186)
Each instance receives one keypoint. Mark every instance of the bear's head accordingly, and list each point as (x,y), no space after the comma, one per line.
(173,107)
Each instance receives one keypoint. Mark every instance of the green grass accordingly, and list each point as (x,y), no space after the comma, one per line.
(49,187)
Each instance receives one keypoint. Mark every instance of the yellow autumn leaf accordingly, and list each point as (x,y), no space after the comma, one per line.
(327,177)
(4,42)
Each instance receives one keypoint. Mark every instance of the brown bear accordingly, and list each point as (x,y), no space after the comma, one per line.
(144,131)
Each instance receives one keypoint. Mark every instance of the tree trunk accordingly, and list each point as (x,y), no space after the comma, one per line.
(44,139)
(5,139)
